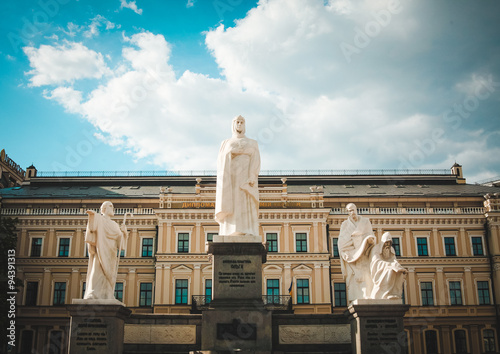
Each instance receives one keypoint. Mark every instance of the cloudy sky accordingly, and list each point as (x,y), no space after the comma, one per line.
(94,85)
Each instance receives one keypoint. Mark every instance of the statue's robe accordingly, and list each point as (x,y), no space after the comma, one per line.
(386,273)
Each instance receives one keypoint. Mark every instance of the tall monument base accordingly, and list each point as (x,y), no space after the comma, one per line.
(236,320)
(377,326)
(97,328)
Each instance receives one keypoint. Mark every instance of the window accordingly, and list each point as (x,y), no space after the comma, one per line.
(208,291)
(422,246)
(273,291)
(455,293)
(427,296)
(183,243)
(31,293)
(403,297)
(146,294)
(396,245)
(489,340)
(460,341)
(147,247)
(59,293)
(122,253)
(55,342)
(301,242)
(340,294)
(84,286)
(272,239)
(302,291)
(119,291)
(483,292)
(210,236)
(36,247)
(27,342)
(477,246)
(449,246)
(431,343)
(63,247)
(335,242)
(181,291)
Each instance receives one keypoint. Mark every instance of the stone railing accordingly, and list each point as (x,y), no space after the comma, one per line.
(412,211)
(271,302)
(70,211)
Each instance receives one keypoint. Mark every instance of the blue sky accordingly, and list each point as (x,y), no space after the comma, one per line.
(340,84)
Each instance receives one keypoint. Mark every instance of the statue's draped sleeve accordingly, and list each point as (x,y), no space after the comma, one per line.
(224,194)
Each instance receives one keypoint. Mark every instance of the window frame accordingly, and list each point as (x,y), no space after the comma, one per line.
(335,246)
(459,281)
(455,340)
(176,287)
(477,291)
(59,239)
(483,341)
(54,292)
(122,290)
(339,291)
(152,246)
(30,251)
(421,293)
(306,242)
(183,241)
(445,248)
(27,281)
(425,340)
(276,241)
(398,254)
(146,292)
(482,245)
(205,288)
(308,291)
(427,246)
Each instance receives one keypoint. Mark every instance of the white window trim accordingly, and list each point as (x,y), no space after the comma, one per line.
(32,280)
(454,237)
(31,242)
(400,238)
(272,276)
(433,291)
(124,285)
(428,245)
(177,241)
(448,280)
(278,243)
(482,243)
(183,277)
(437,337)
(53,288)
(59,237)
(295,293)
(57,329)
(211,229)
(333,291)
(337,237)
(494,336)
(460,328)
(477,289)
(141,238)
(139,282)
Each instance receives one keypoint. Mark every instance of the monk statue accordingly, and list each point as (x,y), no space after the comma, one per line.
(356,240)
(237,193)
(105,239)
(386,272)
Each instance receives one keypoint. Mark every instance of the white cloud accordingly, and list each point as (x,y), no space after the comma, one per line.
(130,5)
(190,3)
(64,63)
(96,23)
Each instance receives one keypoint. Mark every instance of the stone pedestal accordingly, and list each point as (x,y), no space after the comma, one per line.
(96,328)
(236,320)
(377,326)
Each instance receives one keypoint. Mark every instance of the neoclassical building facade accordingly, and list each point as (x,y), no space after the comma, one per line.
(445,232)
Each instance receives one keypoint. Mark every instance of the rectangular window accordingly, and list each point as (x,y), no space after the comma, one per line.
(59,293)
(273,291)
(335,242)
(146,294)
(272,240)
(208,291)
(422,246)
(460,341)
(63,247)
(147,247)
(455,293)
(119,291)
(183,243)
(210,236)
(483,292)
(181,291)
(449,246)
(84,286)
(396,245)
(340,294)
(301,242)
(31,293)
(36,247)
(489,340)
(302,291)
(55,342)
(427,295)
(477,246)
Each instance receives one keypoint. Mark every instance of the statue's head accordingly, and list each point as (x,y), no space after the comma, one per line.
(238,125)
(107,209)
(387,237)
(352,210)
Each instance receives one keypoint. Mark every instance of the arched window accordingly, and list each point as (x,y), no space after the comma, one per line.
(55,342)
(27,341)
(460,341)
(489,340)
(431,342)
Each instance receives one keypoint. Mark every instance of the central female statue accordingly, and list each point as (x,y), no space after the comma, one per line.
(237,194)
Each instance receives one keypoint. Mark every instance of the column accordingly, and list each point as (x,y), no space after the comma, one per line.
(286,234)
(78,244)
(169,240)
(464,243)
(417,340)
(316,236)
(317,280)
(441,288)
(166,281)
(411,287)
(161,239)
(288,278)
(45,287)
(496,280)
(159,285)
(74,284)
(50,250)
(475,340)
(197,280)
(326,283)
(197,239)
(469,287)
(408,243)
(437,240)
(131,291)
(445,338)
(24,247)
(132,244)
(494,240)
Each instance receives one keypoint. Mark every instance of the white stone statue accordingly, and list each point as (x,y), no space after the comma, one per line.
(237,194)
(105,239)
(356,240)
(386,272)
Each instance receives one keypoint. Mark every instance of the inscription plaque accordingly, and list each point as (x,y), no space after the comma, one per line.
(236,330)
(92,335)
